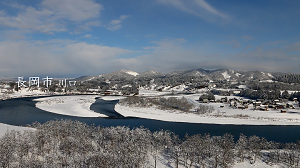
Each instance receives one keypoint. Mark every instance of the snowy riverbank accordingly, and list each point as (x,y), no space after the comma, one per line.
(77,105)
(176,116)
(223,114)
(6,127)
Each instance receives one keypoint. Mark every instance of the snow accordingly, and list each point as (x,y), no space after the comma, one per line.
(149,92)
(257,164)
(176,116)
(6,127)
(238,74)
(270,75)
(131,72)
(270,81)
(91,79)
(24,92)
(226,75)
(78,105)
(162,162)
(126,86)
(178,88)
(109,98)
(199,74)
(225,115)
(242,87)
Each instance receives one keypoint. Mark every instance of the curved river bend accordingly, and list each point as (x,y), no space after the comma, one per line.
(22,111)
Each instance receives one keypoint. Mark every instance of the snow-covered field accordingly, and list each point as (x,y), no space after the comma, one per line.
(229,117)
(23,93)
(78,105)
(222,115)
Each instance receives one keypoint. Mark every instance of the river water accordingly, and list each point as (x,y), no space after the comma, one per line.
(22,111)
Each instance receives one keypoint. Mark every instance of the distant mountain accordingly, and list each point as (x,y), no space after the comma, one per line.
(120,74)
(150,74)
(225,74)
(84,78)
(8,78)
(201,74)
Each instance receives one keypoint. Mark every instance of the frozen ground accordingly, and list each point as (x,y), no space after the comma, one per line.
(78,105)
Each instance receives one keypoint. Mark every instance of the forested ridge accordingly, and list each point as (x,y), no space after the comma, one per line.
(68,143)
(289,78)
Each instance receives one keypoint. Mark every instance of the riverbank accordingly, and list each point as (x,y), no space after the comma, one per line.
(5,127)
(79,106)
(177,116)
(223,114)
(76,105)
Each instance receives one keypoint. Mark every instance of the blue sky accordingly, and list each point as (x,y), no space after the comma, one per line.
(71,38)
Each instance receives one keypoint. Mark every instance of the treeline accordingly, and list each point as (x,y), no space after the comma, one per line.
(289,78)
(256,85)
(269,95)
(260,94)
(222,92)
(295,95)
(163,103)
(68,143)
(167,103)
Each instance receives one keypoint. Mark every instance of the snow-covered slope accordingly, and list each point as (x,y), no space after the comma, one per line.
(129,72)
(202,74)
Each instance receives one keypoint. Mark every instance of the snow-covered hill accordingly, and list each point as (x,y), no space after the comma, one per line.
(201,74)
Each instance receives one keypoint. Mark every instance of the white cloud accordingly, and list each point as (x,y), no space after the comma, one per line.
(51,15)
(65,58)
(199,8)
(14,5)
(57,58)
(268,58)
(149,35)
(88,36)
(122,17)
(169,55)
(166,44)
(234,43)
(166,55)
(116,24)
(74,10)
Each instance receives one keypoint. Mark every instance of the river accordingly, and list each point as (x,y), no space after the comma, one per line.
(22,111)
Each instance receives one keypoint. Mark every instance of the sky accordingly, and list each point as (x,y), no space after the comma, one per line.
(72,38)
